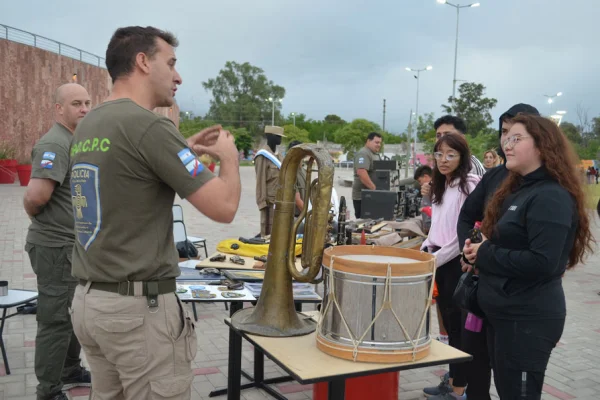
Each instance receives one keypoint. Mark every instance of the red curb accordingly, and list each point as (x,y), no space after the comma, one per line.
(294,388)
(592,302)
(206,371)
(551,390)
(439,372)
(79,391)
(29,343)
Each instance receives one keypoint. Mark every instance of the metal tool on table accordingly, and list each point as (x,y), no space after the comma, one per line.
(275,315)
(253,240)
(261,258)
(237,260)
(218,258)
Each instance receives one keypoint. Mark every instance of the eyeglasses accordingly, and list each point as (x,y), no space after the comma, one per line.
(449,157)
(513,140)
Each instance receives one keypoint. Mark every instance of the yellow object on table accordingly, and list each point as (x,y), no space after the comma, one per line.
(250,250)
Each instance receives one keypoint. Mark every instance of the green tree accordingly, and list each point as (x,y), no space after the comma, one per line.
(571,132)
(354,135)
(295,133)
(239,96)
(473,107)
(425,125)
(321,130)
(243,140)
(189,127)
(334,119)
(481,143)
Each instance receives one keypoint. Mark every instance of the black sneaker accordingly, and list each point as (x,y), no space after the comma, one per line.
(81,377)
(443,388)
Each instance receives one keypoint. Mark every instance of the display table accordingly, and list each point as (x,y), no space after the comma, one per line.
(306,364)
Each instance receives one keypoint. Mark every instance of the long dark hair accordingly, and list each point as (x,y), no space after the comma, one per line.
(439,183)
(561,163)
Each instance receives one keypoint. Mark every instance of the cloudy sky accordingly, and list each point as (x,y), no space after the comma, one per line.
(345,56)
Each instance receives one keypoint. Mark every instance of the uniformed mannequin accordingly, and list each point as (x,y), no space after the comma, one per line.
(266,164)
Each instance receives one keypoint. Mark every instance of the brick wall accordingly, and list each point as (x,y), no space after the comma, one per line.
(28,78)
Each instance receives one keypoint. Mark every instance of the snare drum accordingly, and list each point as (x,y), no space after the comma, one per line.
(376,303)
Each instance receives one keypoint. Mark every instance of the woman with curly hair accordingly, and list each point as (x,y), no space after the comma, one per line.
(538,228)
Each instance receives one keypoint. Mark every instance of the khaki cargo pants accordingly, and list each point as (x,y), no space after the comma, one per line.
(266,219)
(135,352)
(57,350)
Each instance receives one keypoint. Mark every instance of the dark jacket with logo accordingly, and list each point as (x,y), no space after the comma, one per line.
(474,207)
(522,264)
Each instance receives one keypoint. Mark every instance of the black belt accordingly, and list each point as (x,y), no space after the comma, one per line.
(128,288)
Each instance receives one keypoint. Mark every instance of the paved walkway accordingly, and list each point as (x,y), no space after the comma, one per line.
(574,371)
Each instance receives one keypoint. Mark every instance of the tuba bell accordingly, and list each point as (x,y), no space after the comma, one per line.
(275,314)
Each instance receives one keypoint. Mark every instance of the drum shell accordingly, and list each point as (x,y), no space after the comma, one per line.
(360,297)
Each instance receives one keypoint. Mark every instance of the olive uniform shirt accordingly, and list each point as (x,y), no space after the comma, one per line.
(53,227)
(127,164)
(363,159)
(267,176)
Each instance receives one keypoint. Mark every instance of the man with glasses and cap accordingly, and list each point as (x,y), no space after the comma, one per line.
(267,163)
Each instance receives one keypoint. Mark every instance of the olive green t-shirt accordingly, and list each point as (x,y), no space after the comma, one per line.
(127,163)
(363,159)
(53,227)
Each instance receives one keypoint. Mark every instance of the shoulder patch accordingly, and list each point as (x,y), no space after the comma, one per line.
(361,160)
(190,162)
(48,160)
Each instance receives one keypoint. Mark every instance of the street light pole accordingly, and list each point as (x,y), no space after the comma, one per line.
(294,116)
(551,99)
(273,100)
(418,71)
(458,7)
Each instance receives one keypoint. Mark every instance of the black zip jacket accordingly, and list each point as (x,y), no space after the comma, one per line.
(474,207)
(522,264)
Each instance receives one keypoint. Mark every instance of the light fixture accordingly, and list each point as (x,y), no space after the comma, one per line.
(559,94)
(561,112)
(475,5)
(441,1)
(429,68)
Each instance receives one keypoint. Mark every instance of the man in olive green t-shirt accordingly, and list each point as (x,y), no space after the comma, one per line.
(363,169)
(127,165)
(49,244)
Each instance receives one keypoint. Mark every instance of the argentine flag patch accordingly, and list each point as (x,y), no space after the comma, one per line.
(48,160)
(190,162)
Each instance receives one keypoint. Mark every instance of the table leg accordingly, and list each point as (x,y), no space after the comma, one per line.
(234,370)
(195,313)
(259,366)
(6,367)
(235,307)
(336,389)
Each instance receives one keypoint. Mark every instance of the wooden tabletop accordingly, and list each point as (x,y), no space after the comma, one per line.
(300,357)
(249,263)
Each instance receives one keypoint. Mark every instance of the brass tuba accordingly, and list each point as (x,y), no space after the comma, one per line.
(275,314)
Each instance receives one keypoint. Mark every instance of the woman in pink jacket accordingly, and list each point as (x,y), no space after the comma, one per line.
(451,185)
